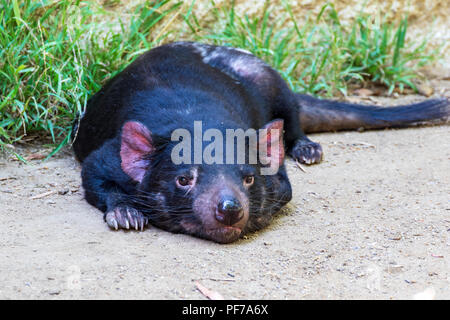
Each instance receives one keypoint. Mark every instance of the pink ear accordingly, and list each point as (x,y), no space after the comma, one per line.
(135,146)
(274,152)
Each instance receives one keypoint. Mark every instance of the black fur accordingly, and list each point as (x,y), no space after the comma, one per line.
(172,86)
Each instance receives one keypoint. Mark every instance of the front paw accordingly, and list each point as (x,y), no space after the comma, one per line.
(307,152)
(124,218)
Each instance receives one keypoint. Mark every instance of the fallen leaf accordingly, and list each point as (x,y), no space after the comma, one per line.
(363,92)
(35,156)
(425,90)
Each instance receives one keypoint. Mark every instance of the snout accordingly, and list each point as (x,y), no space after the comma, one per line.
(223,210)
(229,211)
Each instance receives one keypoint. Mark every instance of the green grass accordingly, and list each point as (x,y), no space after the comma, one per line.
(54,55)
(321,56)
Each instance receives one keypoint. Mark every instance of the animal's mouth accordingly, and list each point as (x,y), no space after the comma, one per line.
(217,233)
(224,234)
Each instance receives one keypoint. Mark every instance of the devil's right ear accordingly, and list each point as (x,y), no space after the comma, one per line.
(136,145)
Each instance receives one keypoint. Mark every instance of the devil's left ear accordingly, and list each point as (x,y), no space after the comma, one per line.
(271,140)
(135,147)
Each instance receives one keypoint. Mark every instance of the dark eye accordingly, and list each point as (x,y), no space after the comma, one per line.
(183,181)
(248,180)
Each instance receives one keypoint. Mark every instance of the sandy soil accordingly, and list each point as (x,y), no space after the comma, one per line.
(371,222)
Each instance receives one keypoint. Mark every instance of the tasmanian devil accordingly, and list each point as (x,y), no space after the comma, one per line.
(125,139)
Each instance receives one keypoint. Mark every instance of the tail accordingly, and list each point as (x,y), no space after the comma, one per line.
(318,115)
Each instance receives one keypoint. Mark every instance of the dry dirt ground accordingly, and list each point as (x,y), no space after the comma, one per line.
(370,222)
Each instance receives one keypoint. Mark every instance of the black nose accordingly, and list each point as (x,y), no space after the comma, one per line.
(229,211)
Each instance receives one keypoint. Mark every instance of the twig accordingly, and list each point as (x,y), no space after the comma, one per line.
(8,178)
(169,23)
(300,166)
(43,195)
(212,295)
(364,144)
(213,279)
